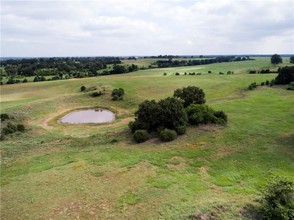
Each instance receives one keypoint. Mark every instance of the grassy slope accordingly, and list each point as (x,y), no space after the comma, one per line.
(62,172)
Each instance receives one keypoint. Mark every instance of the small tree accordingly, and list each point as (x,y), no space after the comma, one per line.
(190,95)
(286,75)
(292,59)
(276,59)
(117,94)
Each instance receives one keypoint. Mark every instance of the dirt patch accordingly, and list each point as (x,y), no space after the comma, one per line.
(203,172)
(223,152)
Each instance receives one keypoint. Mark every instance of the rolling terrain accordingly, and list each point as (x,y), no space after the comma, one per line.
(55,171)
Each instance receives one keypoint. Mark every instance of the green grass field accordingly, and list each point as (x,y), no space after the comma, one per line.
(55,171)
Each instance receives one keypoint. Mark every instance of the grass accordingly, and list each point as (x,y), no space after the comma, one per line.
(68,172)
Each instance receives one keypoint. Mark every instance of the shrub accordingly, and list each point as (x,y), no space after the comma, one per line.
(222,118)
(177,74)
(181,129)
(291,86)
(83,88)
(221,73)
(4,116)
(25,80)
(137,125)
(200,114)
(277,200)
(190,95)
(267,83)
(117,94)
(141,136)
(209,71)
(164,74)
(262,84)
(20,127)
(167,135)
(96,94)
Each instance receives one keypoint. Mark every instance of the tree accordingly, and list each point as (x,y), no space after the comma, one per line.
(292,59)
(276,59)
(172,113)
(286,75)
(190,95)
(167,113)
(117,94)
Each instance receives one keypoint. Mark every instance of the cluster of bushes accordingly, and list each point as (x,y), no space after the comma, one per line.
(9,128)
(228,73)
(174,63)
(93,88)
(169,117)
(285,76)
(262,71)
(117,94)
(266,83)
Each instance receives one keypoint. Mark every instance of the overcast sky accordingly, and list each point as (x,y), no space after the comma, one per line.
(146,27)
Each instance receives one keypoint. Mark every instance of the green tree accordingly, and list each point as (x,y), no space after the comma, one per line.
(285,76)
(292,59)
(276,59)
(190,95)
(117,94)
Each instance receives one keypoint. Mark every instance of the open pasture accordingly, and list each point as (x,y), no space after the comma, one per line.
(57,171)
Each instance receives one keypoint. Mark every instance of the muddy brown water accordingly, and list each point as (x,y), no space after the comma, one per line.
(88,116)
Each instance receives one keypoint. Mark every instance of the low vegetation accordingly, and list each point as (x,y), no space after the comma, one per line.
(92,171)
(170,116)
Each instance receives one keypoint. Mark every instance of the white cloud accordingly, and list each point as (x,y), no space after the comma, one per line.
(150,27)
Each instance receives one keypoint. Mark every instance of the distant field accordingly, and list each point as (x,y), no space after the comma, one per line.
(56,171)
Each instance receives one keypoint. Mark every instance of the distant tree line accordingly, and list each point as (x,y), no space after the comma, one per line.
(61,68)
(174,63)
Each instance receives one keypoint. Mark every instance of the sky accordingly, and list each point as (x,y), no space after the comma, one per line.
(42,28)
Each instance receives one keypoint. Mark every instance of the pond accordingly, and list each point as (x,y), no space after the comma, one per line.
(88,116)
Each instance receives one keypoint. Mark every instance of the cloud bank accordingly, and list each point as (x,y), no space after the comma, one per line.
(149,27)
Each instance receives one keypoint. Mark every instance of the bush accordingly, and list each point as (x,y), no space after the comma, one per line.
(141,136)
(209,71)
(117,94)
(277,200)
(200,114)
(221,73)
(252,71)
(291,86)
(137,125)
(177,74)
(222,118)
(96,94)
(164,74)
(4,116)
(83,88)
(181,129)
(190,95)
(167,135)
(20,127)
(25,80)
